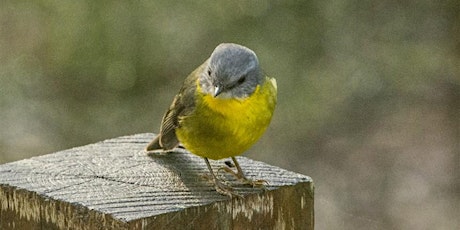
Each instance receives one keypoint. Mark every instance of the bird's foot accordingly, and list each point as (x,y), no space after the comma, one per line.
(243,179)
(222,187)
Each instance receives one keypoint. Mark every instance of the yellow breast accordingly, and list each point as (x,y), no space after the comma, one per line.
(220,128)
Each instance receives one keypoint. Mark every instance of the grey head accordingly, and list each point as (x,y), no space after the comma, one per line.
(232,71)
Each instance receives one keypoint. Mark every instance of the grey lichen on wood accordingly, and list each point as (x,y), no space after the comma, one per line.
(115,184)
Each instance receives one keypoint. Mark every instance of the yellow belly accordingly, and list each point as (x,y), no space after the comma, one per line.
(220,128)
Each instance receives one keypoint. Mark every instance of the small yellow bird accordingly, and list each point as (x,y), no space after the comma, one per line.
(222,109)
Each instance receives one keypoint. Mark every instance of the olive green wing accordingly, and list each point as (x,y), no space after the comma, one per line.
(182,105)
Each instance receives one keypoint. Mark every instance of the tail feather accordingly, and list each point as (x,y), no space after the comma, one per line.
(154,144)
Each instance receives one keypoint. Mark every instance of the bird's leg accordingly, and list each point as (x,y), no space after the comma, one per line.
(219,185)
(240,175)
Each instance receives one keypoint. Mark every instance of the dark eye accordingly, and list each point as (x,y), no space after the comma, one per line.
(209,72)
(241,80)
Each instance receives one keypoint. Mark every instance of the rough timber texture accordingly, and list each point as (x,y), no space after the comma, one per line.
(114,184)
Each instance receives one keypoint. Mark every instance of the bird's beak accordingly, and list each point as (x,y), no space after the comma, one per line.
(217,90)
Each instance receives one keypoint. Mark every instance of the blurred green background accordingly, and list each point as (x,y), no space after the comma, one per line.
(368,104)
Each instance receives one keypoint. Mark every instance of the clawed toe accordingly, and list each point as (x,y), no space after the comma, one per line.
(226,190)
(243,179)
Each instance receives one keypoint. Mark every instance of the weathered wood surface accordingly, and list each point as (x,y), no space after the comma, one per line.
(114,184)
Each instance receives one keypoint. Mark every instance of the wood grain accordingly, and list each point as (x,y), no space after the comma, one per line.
(114,184)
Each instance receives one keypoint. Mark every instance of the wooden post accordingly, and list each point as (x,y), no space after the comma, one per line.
(114,184)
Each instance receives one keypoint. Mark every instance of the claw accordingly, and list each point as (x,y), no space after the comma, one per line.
(226,190)
(220,186)
(241,177)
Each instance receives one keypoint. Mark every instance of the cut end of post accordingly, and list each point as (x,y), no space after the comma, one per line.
(116,184)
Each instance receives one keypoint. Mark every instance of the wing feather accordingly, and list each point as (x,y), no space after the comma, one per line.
(182,106)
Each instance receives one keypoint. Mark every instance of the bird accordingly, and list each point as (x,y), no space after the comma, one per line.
(223,107)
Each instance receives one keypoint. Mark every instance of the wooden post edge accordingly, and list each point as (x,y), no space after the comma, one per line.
(114,184)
